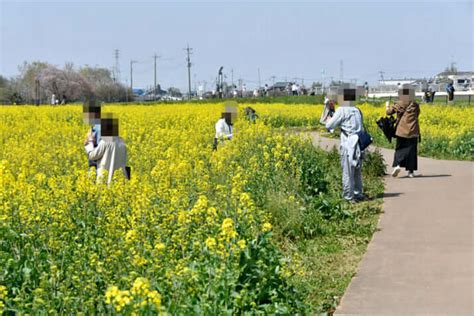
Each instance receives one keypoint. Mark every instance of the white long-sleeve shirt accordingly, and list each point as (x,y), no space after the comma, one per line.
(223,130)
(349,118)
(111,155)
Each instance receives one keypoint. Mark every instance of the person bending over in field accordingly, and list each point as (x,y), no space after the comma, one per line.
(328,111)
(91,111)
(349,119)
(225,126)
(111,152)
(251,114)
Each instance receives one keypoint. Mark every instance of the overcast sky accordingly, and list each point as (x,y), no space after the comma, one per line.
(282,39)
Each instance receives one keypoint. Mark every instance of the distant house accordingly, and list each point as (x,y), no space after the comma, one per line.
(399,82)
(279,86)
(463,80)
(138,91)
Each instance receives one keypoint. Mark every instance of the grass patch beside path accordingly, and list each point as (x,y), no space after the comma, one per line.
(327,239)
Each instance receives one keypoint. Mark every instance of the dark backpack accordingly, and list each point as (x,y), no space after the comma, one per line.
(365,139)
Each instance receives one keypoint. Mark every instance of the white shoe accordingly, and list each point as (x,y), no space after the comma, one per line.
(411,175)
(396,171)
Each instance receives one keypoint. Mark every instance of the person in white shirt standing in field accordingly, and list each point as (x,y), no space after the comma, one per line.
(111,152)
(225,125)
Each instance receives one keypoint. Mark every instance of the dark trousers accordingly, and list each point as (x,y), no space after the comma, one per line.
(406,153)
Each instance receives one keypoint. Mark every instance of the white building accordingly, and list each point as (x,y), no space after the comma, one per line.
(463,80)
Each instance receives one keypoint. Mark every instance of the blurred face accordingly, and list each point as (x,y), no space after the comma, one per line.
(406,94)
(229,118)
(109,127)
(347,97)
(91,117)
(91,113)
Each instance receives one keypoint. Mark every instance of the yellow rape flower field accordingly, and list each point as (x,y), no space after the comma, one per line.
(195,231)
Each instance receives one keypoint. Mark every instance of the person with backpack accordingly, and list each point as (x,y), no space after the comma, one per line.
(450,91)
(349,118)
(407,130)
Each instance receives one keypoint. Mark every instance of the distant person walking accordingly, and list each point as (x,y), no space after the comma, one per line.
(407,131)
(432,92)
(294,89)
(53,99)
(450,91)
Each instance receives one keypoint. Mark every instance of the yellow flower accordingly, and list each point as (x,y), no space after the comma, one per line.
(266,227)
(131,236)
(160,247)
(227,229)
(210,243)
(242,244)
(117,298)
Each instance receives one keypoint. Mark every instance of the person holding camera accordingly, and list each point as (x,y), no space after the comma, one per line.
(349,118)
(111,152)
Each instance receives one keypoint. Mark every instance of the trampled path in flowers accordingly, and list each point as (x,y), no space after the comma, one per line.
(420,261)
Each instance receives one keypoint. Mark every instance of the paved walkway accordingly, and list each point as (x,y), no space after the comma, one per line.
(421,261)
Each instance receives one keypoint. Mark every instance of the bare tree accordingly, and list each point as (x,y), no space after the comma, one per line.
(65,83)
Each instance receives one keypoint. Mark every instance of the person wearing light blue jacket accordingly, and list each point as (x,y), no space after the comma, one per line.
(349,119)
(92,117)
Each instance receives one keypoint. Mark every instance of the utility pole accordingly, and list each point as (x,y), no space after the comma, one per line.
(117,66)
(194,81)
(341,70)
(240,87)
(259,81)
(232,76)
(131,74)
(188,60)
(323,72)
(154,85)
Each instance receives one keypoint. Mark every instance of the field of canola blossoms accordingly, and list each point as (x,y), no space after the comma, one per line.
(447,131)
(189,234)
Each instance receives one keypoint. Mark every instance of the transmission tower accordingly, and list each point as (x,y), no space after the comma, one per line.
(188,60)
(381,75)
(117,66)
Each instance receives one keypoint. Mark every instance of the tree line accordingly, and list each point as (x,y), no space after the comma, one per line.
(38,81)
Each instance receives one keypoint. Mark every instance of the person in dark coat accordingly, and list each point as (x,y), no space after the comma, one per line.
(407,131)
(450,91)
